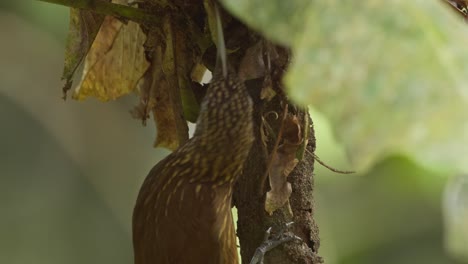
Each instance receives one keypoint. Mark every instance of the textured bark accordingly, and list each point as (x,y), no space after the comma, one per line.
(249,197)
(252,218)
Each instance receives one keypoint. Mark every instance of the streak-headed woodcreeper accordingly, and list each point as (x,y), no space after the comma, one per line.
(183,211)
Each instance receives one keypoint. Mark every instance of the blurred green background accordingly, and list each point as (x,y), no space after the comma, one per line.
(70,171)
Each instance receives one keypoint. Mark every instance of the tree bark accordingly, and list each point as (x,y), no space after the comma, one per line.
(253,220)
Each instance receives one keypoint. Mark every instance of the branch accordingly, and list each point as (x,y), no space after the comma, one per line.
(328,166)
(106,8)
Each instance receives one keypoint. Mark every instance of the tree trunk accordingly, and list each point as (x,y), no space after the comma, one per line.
(253,220)
(249,194)
(249,197)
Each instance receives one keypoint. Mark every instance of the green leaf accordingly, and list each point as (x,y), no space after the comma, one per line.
(388,74)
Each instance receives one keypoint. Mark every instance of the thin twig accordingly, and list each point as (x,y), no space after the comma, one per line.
(106,8)
(327,166)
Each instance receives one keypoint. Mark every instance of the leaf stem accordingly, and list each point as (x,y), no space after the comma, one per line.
(106,8)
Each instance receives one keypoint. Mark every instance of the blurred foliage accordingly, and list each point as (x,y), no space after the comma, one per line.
(70,173)
(50,212)
(390,214)
(397,198)
(387,74)
(456,215)
(52,18)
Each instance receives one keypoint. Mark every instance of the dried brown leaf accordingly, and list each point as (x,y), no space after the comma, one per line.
(284,161)
(252,65)
(141,112)
(115,62)
(84,26)
(172,130)
(161,90)
(292,134)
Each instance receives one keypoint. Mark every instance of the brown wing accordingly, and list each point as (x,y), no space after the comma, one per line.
(183,222)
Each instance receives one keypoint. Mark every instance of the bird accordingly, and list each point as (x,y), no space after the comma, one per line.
(183,210)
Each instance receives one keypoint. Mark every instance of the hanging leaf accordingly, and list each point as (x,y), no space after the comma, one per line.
(283,163)
(115,63)
(157,97)
(389,77)
(160,87)
(84,26)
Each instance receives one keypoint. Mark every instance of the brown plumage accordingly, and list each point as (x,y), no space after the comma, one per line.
(183,210)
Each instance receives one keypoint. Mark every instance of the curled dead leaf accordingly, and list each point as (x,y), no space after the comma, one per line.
(283,163)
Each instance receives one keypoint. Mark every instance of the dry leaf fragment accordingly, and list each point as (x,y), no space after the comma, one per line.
(158,97)
(267,92)
(252,65)
(284,161)
(141,111)
(161,87)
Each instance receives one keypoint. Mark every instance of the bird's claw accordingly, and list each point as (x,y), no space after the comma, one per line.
(270,242)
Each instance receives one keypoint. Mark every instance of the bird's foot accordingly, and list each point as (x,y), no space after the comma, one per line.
(272,241)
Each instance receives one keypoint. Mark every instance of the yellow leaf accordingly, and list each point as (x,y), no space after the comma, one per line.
(115,62)
(84,26)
